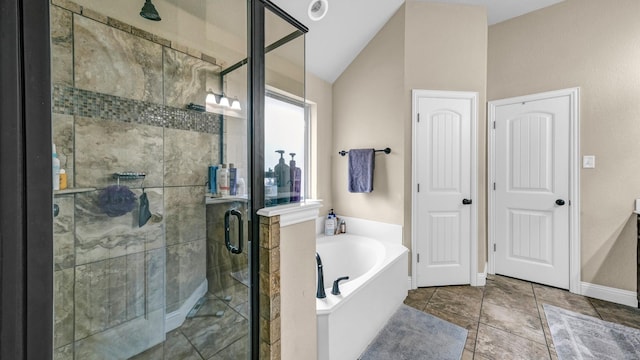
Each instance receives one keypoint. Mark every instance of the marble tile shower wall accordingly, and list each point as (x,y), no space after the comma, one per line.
(119,97)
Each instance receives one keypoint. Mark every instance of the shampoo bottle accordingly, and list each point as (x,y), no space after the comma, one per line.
(283,179)
(241,187)
(213,186)
(55,165)
(296,175)
(233,176)
(222,180)
(270,189)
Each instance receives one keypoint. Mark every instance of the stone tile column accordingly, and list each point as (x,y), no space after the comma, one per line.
(270,346)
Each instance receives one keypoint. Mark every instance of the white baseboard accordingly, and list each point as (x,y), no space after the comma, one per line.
(174,319)
(481,278)
(618,296)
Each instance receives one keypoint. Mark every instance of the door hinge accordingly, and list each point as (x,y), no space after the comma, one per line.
(494,247)
(494,186)
(418,187)
(418,117)
(418,257)
(494,124)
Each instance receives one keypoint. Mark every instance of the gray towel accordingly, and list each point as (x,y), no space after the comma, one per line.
(361,164)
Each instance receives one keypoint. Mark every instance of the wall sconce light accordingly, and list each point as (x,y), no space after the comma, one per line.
(224,101)
(212,99)
(235,104)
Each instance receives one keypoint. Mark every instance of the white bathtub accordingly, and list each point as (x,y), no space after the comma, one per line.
(377,285)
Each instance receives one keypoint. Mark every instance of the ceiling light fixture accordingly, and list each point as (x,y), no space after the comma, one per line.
(318,9)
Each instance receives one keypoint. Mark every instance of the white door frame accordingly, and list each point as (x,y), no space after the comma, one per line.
(473,96)
(574,181)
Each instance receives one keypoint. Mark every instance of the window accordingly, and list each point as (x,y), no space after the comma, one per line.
(286,129)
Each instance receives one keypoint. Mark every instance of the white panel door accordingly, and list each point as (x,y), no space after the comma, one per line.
(532,146)
(443,175)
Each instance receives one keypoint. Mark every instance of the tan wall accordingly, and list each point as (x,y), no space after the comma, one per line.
(595,45)
(320,93)
(446,49)
(368,112)
(423,46)
(298,291)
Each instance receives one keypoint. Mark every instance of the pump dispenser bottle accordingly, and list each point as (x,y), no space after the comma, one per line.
(330,224)
(335,220)
(283,179)
(296,175)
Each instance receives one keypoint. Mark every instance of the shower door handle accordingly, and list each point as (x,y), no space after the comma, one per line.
(227,231)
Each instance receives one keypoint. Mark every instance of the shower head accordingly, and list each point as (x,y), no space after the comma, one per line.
(149,11)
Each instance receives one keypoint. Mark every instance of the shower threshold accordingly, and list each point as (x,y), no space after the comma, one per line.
(242,276)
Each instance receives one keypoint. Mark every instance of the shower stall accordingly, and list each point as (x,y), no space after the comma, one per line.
(148,259)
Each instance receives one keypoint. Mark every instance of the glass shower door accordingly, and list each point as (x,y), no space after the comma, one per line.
(151,259)
(286,127)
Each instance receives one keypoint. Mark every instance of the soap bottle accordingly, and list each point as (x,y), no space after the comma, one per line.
(343,227)
(222,180)
(63,179)
(233,176)
(241,187)
(283,179)
(270,189)
(296,175)
(330,224)
(55,165)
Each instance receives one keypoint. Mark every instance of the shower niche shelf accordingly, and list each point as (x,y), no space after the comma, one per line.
(223,199)
(73,191)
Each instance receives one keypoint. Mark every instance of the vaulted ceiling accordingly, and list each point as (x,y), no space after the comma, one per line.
(333,42)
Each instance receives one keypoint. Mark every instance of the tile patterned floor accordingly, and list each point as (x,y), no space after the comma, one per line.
(505,318)
(218,331)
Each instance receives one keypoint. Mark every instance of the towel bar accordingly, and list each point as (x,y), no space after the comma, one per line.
(385,150)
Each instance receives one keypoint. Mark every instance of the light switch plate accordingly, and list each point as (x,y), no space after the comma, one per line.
(589,161)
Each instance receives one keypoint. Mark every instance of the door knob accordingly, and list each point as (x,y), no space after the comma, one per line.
(560,202)
(466,201)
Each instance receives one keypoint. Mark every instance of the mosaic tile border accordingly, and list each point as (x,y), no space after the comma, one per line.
(78,102)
